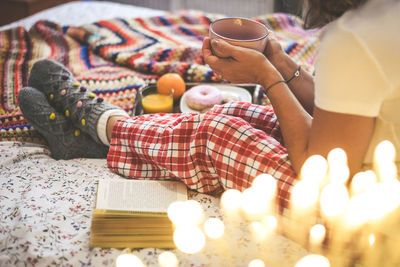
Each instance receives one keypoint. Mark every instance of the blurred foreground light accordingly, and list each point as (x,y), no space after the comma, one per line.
(371,239)
(231,200)
(385,152)
(168,259)
(187,212)
(305,194)
(334,198)
(265,184)
(313,260)
(362,181)
(357,211)
(214,228)
(189,239)
(337,156)
(254,203)
(256,263)
(317,234)
(128,260)
(314,169)
(338,169)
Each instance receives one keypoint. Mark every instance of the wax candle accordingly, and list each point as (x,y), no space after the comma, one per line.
(155,103)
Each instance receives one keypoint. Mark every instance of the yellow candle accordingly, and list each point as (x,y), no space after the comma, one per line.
(155,103)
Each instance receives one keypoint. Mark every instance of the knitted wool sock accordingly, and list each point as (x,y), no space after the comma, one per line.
(67,96)
(65,141)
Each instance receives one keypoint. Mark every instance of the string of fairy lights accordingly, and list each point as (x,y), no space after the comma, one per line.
(340,222)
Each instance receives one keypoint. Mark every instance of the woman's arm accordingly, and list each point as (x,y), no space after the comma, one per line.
(303,135)
(302,86)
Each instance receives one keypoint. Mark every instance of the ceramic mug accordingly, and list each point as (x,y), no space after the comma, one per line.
(241,32)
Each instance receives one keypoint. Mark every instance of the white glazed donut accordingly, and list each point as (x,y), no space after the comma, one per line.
(201,97)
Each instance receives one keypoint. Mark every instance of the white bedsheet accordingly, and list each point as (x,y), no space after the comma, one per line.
(79,13)
(46,207)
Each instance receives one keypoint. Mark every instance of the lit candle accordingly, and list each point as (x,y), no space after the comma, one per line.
(155,103)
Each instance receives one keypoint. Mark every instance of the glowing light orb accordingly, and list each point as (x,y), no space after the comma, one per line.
(317,233)
(254,203)
(338,170)
(189,239)
(185,212)
(231,200)
(371,239)
(128,260)
(314,169)
(337,156)
(256,263)
(357,211)
(333,200)
(270,222)
(313,260)
(168,259)
(385,152)
(305,194)
(362,181)
(266,184)
(214,228)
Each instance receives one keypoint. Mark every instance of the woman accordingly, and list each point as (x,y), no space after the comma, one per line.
(355,106)
(355,103)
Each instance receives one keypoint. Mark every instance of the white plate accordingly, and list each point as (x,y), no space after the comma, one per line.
(241,93)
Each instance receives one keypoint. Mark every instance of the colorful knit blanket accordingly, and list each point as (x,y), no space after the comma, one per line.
(124,55)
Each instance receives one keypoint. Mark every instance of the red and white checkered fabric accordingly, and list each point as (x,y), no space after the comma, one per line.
(224,148)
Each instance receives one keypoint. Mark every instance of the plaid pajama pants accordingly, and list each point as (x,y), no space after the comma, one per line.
(224,148)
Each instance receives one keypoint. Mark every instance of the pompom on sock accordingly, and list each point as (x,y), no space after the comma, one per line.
(64,139)
(68,97)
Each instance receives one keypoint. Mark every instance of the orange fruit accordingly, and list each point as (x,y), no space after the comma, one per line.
(170,81)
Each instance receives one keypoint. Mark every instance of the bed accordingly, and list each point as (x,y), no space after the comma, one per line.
(45,204)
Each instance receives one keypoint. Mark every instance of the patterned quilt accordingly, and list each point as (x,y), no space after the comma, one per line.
(126,54)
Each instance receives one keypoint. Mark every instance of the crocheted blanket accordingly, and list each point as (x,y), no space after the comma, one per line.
(124,55)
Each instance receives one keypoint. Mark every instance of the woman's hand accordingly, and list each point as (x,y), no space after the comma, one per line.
(274,51)
(239,65)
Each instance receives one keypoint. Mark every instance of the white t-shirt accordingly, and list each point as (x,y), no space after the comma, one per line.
(358,69)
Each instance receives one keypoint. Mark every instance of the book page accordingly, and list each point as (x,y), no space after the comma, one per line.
(139,195)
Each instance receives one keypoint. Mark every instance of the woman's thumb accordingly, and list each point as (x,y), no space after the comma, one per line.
(222,48)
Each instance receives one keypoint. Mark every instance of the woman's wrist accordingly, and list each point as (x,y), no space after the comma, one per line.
(285,65)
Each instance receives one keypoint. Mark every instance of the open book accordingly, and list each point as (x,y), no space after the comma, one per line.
(133,213)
